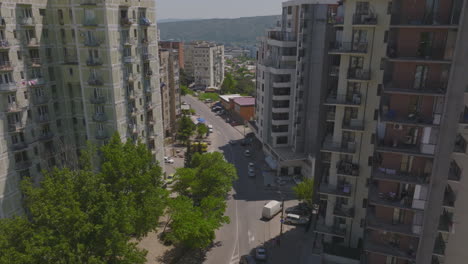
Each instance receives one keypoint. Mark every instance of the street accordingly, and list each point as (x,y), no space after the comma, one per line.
(246,229)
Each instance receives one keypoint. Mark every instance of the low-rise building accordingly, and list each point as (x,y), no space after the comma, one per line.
(244,109)
(226,100)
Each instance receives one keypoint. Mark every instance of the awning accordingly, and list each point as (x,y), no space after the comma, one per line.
(271,162)
(201,120)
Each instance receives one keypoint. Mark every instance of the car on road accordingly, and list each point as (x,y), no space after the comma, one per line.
(251,172)
(208,100)
(294,219)
(251,165)
(216,108)
(234,123)
(168,160)
(260,253)
(169,180)
(247,259)
(247,153)
(232,142)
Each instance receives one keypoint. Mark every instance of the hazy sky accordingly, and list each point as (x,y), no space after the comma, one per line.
(216,8)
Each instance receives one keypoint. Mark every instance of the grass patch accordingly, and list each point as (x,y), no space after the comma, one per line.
(185,90)
(213,96)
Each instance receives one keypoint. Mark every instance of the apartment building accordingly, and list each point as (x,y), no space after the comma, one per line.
(72,72)
(390,166)
(204,61)
(170,90)
(175,45)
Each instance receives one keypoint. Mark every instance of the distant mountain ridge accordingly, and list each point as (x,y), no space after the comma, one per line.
(236,31)
(169,20)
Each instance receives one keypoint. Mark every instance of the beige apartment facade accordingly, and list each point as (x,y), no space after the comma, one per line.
(204,61)
(73,72)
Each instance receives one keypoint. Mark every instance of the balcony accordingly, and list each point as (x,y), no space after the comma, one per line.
(336,20)
(129,59)
(445,222)
(399,147)
(45,136)
(431,88)
(31,43)
(403,200)
(347,169)
(389,225)
(41,100)
(148,74)
(389,249)
(147,56)
(454,172)
(435,54)
(93,62)
(340,211)
(126,22)
(334,70)
(351,100)
(449,197)
(128,41)
(416,119)
(149,89)
(130,77)
(393,175)
(90,22)
(95,81)
(150,106)
(348,47)
(23,165)
(439,246)
(2,22)
(89,2)
(4,44)
(334,230)
(143,21)
(365,19)
(14,108)
(18,126)
(35,62)
(132,128)
(71,59)
(353,125)
(358,75)
(43,119)
(6,66)
(27,21)
(99,117)
(19,146)
(460,145)
(341,190)
(8,87)
(92,42)
(97,99)
(36,81)
(445,17)
(330,116)
(101,135)
(339,147)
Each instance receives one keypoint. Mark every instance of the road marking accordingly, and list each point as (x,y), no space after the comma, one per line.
(251,237)
(235,255)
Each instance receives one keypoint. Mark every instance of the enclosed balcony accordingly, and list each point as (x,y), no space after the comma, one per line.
(336,230)
(353,125)
(27,21)
(31,43)
(339,47)
(407,147)
(46,135)
(460,145)
(359,75)
(388,194)
(430,88)
(99,117)
(19,146)
(97,99)
(8,87)
(280,106)
(93,62)
(126,22)
(351,100)
(342,189)
(439,246)
(381,218)
(390,244)
(101,135)
(95,81)
(44,118)
(449,197)
(344,147)
(445,222)
(411,110)
(393,175)
(128,41)
(419,15)
(90,22)
(16,127)
(92,42)
(454,172)
(342,211)
(4,44)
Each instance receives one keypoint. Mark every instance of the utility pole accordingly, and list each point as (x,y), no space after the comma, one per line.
(282,220)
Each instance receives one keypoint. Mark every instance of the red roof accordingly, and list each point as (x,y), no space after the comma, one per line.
(244,101)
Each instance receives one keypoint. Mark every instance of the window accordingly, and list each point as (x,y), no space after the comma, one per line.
(420,76)
(42,12)
(362,8)
(70,70)
(18,53)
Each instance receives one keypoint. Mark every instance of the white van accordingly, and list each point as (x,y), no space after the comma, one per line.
(271,209)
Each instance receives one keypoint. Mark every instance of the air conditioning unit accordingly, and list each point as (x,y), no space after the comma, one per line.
(397,127)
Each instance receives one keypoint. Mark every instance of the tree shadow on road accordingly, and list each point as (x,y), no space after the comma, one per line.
(181,255)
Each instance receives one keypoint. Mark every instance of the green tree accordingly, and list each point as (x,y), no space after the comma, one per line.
(202,129)
(195,226)
(245,86)
(186,128)
(229,84)
(304,191)
(185,79)
(209,175)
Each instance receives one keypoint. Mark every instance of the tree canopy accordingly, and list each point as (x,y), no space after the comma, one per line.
(88,215)
(186,128)
(304,191)
(202,129)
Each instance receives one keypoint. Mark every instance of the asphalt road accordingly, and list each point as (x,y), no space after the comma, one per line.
(246,230)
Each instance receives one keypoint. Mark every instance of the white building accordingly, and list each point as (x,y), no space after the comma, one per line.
(204,61)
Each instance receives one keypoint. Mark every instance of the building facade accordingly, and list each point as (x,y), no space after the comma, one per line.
(204,61)
(72,73)
(175,45)
(389,151)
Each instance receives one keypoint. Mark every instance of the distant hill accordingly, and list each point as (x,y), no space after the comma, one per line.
(168,20)
(237,31)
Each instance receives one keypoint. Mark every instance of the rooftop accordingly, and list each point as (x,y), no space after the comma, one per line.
(244,101)
(226,97)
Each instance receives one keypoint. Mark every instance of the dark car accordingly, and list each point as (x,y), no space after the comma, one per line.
(300,209)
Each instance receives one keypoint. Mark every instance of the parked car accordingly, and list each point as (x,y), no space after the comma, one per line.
(234,123)
(216,108)
(247,153)
(208,100)
(260,253)
(169,180)
(300,209)
(251,172)
(294,219)
(168,160)
(251,165)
